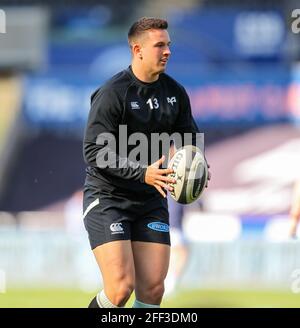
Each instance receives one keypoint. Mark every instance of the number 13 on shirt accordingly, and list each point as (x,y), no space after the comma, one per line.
(153,104)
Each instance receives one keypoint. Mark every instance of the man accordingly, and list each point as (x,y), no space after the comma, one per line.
(125,206)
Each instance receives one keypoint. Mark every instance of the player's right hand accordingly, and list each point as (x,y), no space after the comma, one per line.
(158,178)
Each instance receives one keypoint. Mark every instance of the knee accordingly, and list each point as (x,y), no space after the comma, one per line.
(122,292)
(153,294)
(157,293)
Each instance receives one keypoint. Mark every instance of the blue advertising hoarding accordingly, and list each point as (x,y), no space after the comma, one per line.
(258,95)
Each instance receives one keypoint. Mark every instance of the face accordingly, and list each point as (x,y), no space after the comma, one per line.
(155,51)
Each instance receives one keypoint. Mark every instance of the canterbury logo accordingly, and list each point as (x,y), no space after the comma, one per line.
(135,105)
(116,228)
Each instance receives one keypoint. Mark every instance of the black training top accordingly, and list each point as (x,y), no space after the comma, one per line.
(161,106)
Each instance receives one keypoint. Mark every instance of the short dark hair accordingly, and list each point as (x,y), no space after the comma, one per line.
(144,24)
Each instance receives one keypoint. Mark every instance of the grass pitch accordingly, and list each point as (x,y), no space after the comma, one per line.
(63,298)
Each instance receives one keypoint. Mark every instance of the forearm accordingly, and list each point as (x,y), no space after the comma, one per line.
(107,160)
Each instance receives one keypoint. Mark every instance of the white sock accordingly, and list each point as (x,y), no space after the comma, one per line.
(103,301)
(138,304)
(170,283)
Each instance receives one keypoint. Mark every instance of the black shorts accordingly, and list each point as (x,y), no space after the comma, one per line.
(114,217)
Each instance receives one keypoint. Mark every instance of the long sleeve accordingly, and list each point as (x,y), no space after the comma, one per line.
(104,119)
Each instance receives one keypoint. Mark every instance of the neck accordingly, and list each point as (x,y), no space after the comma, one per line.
(142,74)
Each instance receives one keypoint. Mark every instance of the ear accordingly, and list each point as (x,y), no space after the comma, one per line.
(137,50)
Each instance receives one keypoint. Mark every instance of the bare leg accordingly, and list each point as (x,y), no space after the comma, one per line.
(115,260)
(151,266)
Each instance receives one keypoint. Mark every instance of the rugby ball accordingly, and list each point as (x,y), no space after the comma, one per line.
(190,173)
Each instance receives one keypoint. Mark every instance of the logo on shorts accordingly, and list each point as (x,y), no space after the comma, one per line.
(158,226)
(116,228)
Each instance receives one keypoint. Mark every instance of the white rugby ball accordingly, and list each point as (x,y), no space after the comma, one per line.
(190,172)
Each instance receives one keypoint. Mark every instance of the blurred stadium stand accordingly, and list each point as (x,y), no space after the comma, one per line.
(23,46)
(216,55)
(87,44)
(239,63)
